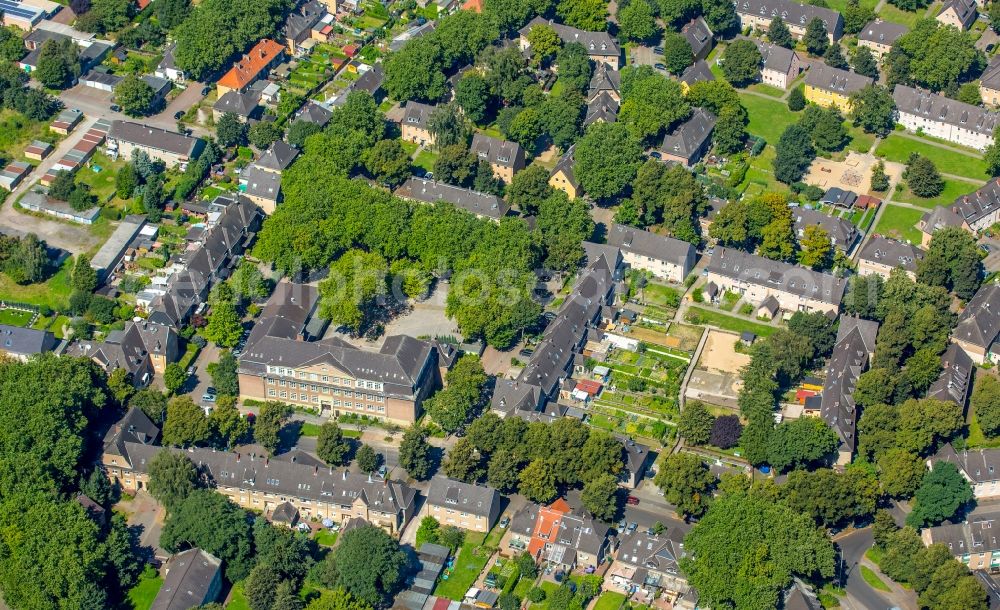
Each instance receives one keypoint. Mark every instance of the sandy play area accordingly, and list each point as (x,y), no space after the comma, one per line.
(719,353)
(853,173)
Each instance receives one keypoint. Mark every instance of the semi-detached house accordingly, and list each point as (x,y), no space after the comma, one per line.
(558,536)
(826,86)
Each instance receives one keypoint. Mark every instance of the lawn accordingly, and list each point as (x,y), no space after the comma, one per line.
(425,159)
(899,222)
(767,90)
(237,601)
(978,440)
(409,147)
(141,596)
(841,5)
(53,293)
(469,562)
(550,588)
(873,580)
(895,15)
(898,148)
(760,175)
(725,322)
(953,189)
(325,537)
(860,141)
(308,429)
(768,118)
(14,317)
(100,175)
(609,600)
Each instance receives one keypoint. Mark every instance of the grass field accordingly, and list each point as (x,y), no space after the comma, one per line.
(978,440)
(895,15)
(860,141)
(325,537)
(469,562)
(101,183)
(767,90)
(549,587)
(873,580)
(953,189)
(425,159)
(841,5)
(768,118)
(609,600)
(17,131)
(898,148)
(898,222)
(141,596)
(53,293)
(14,317)
(721,320)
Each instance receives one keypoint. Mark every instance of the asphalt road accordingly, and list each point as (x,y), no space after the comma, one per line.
(96,103)
(860,596)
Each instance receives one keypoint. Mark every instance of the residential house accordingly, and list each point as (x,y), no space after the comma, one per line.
(255,65)
(980,209)
(974,542)
(191,579)
(852,352)
(826,85)
(799,596)
(506,158)
(470,507)
(416,124)
(637,461)
(262,483)
(605,80)
(314,112)
(839,197)
(980,467)
(758,14)
(955,380)
(22,343)
(602,108)
(244,104)
(979,325)
(167,67)
(938,218)
(300,23)
(989,83)
(779,66)
(142,349)
(601,47)
(958,13)
(843,234)
(879,36)
(277,158)
(650,562)
(92,51)
(370,82)
(170,147)
(559,537)
(695,73)
(699,36)
(756,278)
(563,178)
(881,255)
(261,186)
(689,141)
(941,117)
(665,257)
(483,205)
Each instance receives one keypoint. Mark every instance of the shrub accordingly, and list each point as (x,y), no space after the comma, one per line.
(726,431)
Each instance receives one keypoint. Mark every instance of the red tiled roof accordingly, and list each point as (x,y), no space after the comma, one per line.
(248,68)
(588,386)
(473,5)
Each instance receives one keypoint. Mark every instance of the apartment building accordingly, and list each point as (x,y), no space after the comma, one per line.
(757,278)
(989,83)
(779,66)
(143,349)
(650,562)
(505,158)
(980,467)
(255,65)
(563,177)
(690,140)
(879,36)
(980,209)
(974,542)
(170,147)
(470,507)
(958,13)
(978,327)
(955,380)
(665,257)
(881,255)
(758,14)
(828,86)
(852,352)
(558,536)
(600,46)
(843,234)
(941,117)
(483,205)
(416,124)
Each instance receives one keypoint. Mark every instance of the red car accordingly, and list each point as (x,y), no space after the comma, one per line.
(632,500)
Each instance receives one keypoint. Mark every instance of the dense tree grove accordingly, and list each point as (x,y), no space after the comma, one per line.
(934,56)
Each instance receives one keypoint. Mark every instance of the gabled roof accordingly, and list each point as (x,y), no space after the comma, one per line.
(835,80)
(417,114)
(596,43)
(602,107)
(257,182)
(885,251)
(991,76)
(25,341)
(855,343)
(430,191)
(645,243)
(842,232)
(278,157)
(188,580)
(777,275)
(965,10)
(981,466)
(939,218)
(241,104)
(300,22)
(983,202)
(698,35)
(312,112)
(658,553)
(687,138)
(793,13)
(940,109)
(955,379)
(477,500)
(979,323)
(605,78)
(565,165)
(153,137)
(249,67)
(497,151)
(882,32)
(696,73)
(773,57)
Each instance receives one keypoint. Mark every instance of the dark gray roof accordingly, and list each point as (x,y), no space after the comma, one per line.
(982,202)
(127,349)
(160,86)
(154,137)
(686,139)
(278,157)
(842,232)
(511,397)
(885,251)
(102,77)
(287,313)
(430,191)
(698,35)
(497,151)
(939,218)
(792,13)
(979,323)
(793,279)
(940,109)
(188,582)
(839,196)
(168,62)
(774,57)
(659,247)
(134,427)
(312,112)
(260,183)
(991,76)
(975,535)
(771,305)
(417,114)
(602,107)
(696,73)
(659,553)
(565,165)
(477,500)
(854,345)
(370,81)
(836,80)
(241,104)
(882,32)
(285,513)
(576,532)
(25,341)
(596,43)
(636,455)
(800,597)
(965,10)
(980,465)
(605,78)
(300,22)
(955,380)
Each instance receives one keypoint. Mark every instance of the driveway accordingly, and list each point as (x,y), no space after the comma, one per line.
(992,260)
(197,384)
(644,56)
(144,512)
(182,103)
(96,103)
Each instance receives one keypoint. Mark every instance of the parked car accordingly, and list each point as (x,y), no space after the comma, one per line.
(632,526)
(116,108)
(658,50)
(205,90)
(660,67)
(655,155)
(504,523)
(191,370)
(206,397)
(632,501)
(178,115)
(382,471)
(526,353)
